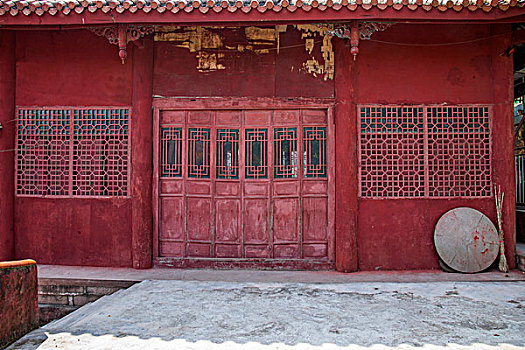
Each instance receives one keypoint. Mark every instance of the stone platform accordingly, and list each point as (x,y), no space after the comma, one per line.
(171,314)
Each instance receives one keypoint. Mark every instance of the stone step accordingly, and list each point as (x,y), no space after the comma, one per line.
(58,297)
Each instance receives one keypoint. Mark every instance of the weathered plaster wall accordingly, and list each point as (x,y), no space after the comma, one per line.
(18,299)
(238,64)
(72,68)
(398,234)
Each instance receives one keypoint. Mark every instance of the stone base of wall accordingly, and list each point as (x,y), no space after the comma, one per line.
(59,297)
(520,256)
(18,299)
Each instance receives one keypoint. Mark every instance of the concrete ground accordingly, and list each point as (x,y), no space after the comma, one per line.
(171,314)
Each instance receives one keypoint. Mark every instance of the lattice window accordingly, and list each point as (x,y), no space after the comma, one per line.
(43,159)
(285,153)
(314,139)
(459,151)
(171,152)
(73,151)
(392,152)
(227,153)
(256,149)
(199,152)
(100,152)
(417,151)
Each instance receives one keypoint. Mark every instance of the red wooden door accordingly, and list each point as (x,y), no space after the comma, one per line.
(244,184)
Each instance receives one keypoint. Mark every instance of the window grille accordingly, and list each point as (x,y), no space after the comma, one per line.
(68,151)
(256,144)
(285,152)
(314,139)
(228,153)
(171,152)
(424,151)
(199,152)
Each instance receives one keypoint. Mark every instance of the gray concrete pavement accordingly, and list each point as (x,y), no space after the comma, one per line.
(229,315)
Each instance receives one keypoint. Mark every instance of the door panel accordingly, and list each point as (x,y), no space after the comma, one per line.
(198,219)
(285,220)
(227,221)
(244,184)
(315,219)
(256,221)
(172,218)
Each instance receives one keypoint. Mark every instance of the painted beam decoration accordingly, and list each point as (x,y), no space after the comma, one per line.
(210,47)
(122,34)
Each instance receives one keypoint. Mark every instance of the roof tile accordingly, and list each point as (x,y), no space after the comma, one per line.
(52,7)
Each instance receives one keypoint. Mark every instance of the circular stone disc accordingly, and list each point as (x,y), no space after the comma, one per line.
(466,240)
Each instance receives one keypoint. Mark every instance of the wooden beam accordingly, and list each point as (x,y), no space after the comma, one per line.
(346,160)
(7,143)
(142,156)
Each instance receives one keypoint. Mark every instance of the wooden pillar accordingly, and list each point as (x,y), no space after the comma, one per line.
(7,143)
(346,160)
(503,134)
(141,156)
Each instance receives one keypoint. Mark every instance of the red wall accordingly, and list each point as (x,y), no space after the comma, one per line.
(398,234)
(72,68)
(79,68)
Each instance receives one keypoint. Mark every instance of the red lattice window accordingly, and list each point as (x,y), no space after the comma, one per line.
(417,151)
(314,139)
(256,149)
(392,152)
(171,152)
(459,151)
(199,152)
(227,153)
(285,153)
(73,151)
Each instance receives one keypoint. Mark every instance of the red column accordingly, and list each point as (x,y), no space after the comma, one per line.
(346,160)
(503,135)
(7,142)
(141,156)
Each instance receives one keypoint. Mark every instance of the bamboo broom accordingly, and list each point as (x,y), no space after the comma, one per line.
(498,197)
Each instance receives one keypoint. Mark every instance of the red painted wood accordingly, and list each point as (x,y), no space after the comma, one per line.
(141,160)
(247,263)
(7,143)
(512,15)
(347,162)
(291,80)
(248,74)
(503,132)
(212,217)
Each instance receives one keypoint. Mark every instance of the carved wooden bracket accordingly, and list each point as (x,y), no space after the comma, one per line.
(357,30)
(122,34)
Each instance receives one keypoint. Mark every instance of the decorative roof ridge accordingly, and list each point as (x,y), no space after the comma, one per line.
(67,7)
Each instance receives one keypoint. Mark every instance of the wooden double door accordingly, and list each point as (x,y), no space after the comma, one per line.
(244,184)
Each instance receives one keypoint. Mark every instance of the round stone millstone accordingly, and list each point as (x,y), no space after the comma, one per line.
(466,240)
